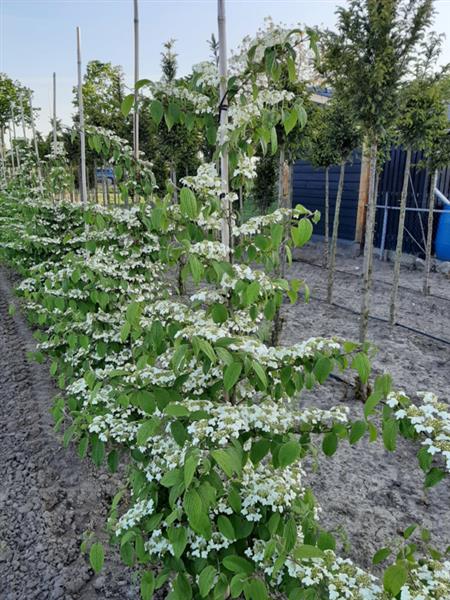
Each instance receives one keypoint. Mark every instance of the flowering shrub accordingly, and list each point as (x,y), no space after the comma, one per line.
(183,387)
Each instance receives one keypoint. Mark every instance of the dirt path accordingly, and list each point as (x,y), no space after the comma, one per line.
(48,496)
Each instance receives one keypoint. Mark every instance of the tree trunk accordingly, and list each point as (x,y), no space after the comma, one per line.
(11,149)
(173,179)
(284,201)
(55,140)
(95,183)
(426,279)
(337,210)
(368,245)
(327,218)
(400,233)
(136,92)
(36,147)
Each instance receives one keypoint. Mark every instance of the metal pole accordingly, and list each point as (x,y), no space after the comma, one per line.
(11,149)
(36,148)
(383,231)
(223,108)
(14,134)
(2,153)
(83,189)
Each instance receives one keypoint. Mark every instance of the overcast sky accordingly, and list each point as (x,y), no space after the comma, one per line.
(37,37)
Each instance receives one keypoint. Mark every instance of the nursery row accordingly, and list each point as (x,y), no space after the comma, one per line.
(159,345)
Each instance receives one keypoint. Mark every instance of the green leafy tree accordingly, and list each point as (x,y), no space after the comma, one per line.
(366,61)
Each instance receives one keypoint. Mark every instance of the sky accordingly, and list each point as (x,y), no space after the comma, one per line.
(38,37)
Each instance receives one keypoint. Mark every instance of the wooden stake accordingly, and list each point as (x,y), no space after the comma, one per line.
(334,235)
(83,189)
(223,108)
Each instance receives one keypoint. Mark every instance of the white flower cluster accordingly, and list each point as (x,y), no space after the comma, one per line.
(139,510)
(206,181)
(210,250)
(431,420)
(207,74)
(246,167)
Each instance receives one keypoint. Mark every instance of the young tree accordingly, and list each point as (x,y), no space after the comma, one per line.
(169,63)
(423,116)
(367,60)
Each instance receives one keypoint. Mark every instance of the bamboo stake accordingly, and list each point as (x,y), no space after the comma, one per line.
(368,246)
(22,115)
(11,149)
(136,79)
(36,147)
(223,107)
(334,235)
(400,234)
(83,190)
(426,280)
(14,135)
(55,140)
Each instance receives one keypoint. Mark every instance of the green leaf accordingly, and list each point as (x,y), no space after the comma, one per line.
(390,429)
(395,578)
(252,292)
(289,453)
(259,450)
(178,539)
(231,375)
(97,557)
(229,460)
(127,104)
(358,429)
(302,233)
(190,467)
(226,527)
(434,476)
(219,313)
(425,459)
(147,585)
(330,443)
(290,121)
(306,551)
(361,363)
(146,430)
(125,331)
(260,372)
(381,555)
(156,111)
(326,541)
(257,590)
(188,203)
(238,564)
(182,587)
(323,368)
(196,513)
(372,402)
(206,580)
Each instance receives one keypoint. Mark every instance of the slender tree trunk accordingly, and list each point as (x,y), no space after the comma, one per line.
(11,149)
(2,154)
(400,234)
(22,116)
(103,186)
(14,136)
(95,183)
(426,280)
(368,245)
(334,237)
(173,179)
(83,189)
(326,249)
(223,105)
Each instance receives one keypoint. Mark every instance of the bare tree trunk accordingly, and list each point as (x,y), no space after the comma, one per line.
(426,280)
(400,234)
(11,148)
(36,147)
(103,186)
(22,116)
(95,183)
(284,201)
(83,189)
(368,245)
(326,249)
(223,107)
(2,154)
(14,136)
(173,179)
(334,237)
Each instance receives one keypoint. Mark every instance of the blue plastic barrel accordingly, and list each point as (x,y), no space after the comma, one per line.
(442,243)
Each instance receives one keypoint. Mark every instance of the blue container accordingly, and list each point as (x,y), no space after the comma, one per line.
(442,243)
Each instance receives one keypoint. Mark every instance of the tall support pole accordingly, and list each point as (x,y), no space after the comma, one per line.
(83,188)
(55,139)
(22,116)
(11,149)
(2,153)
(428,247)
(14,134)
(36,147)
(223,108)
(136,79)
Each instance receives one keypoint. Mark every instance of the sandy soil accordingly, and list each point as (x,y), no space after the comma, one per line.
(369,495)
